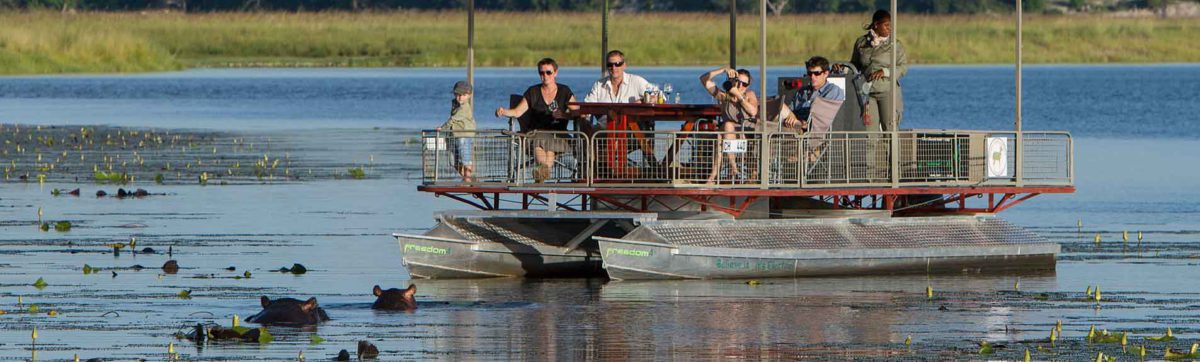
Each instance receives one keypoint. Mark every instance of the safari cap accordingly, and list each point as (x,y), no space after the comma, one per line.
(462,87)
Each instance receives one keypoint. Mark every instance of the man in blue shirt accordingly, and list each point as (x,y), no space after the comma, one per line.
(818,70)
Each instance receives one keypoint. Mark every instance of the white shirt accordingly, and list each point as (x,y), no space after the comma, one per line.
(630,91)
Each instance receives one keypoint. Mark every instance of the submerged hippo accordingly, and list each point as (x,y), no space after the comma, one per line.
(395,299)
(289,311)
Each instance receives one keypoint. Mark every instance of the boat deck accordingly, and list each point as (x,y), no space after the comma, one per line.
(640,171)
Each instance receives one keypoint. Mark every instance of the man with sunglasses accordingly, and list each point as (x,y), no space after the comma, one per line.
(818,71)
(620,87)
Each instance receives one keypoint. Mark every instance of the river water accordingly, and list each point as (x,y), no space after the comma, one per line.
(1135,130)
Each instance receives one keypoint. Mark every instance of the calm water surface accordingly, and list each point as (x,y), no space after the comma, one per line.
(1136,136)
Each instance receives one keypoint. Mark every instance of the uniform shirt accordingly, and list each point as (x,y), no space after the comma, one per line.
(630,91)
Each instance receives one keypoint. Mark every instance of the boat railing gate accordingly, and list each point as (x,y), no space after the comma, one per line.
(686,159)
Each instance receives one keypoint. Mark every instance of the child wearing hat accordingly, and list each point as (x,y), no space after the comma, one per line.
(462,118)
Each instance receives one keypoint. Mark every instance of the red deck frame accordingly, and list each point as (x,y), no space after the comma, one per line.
(735,201)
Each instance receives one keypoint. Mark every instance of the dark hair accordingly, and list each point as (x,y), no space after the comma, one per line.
(817,61)
(545,61)
(746,73)
(613,52)
(878,16)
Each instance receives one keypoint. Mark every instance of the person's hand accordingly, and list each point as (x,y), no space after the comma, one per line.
(875,76)
(730,72)
(836,68)
(558,114)
(500,112)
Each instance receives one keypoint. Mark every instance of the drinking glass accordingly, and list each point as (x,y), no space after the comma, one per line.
(667,88)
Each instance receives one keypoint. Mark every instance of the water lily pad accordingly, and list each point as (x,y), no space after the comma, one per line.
(40,283)
(315,339)
(185,294)
(62,226)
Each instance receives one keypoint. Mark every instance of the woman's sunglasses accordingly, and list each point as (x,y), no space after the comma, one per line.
(616,64)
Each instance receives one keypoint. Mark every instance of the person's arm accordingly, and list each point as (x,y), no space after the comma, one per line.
(518,111)
(749,103)
(572,107)
(707,82)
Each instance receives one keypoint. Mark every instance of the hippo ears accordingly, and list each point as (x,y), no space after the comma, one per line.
(265,301)
(410,292)
(377,291)
(309,305)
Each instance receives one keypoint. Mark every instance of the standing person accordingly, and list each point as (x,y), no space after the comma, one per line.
(547,103)
(739,106)
(462,118)
(873,57)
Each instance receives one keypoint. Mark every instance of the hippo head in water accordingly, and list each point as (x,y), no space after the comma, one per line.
(395,299)
(289,311)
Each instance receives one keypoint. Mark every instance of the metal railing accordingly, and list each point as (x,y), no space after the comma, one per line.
(688,159)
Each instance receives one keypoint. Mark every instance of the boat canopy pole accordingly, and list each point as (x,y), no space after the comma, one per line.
(1018,152)
(604,41)
(895,144)
(471,43)
(733,34)
(762,88)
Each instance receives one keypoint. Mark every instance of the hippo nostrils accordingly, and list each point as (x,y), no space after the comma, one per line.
(395,299)
(289,311)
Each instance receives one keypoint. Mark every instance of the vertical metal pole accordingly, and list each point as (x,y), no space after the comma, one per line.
(764,153)
(471,42)
(604,41)
(733,34)
(895,146)
(1018,157)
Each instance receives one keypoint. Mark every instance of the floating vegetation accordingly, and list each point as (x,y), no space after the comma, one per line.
(315,339)
(40,283)
(116,155)
(357,173)
(62,226)
(112,177)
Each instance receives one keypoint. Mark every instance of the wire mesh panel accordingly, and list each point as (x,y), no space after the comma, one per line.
(633,157)
(846,159)
(553,157)
(1047,157)
(481,156)
(934,157)
(719,158)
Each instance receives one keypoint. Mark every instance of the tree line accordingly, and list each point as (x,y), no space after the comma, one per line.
(776,6)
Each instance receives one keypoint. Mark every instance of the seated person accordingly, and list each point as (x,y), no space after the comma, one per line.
(739,106)
(620,87)
(818,71)
(547,103)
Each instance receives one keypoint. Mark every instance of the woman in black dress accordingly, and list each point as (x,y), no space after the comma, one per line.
(548,111)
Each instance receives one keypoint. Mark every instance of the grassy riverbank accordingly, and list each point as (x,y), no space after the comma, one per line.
(47,42)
